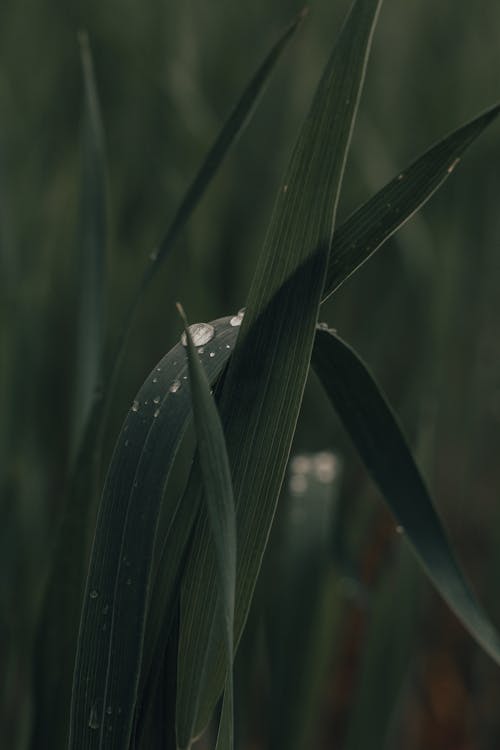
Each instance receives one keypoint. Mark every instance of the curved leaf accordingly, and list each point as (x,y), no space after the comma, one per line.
(379,441)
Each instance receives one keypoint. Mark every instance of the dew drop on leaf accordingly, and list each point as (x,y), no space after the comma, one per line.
(135,406)
(201,333)
(156,400)
(176,385)
(94,594)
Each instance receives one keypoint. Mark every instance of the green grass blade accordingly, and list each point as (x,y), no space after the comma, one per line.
(388,647)
(230,132)
(55,646)
(374,222)
(380,443)
(92,267)
(263,388)
(218,491)
(110,642)
(305,604)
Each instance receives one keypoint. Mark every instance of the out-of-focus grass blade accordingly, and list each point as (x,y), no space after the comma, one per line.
(380,443)
(264,384)
(305,605)
(230,132)
(374,222)
(110,641)
(218,492)
(387,649)
(55,648)
(92,262)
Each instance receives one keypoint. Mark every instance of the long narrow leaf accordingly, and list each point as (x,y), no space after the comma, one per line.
(374,222)
(218,491)
(380,443)
(92,271)
(264,385)
(230,132)
(55,647)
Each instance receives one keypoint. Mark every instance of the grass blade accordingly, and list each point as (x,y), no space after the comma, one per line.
(110,642)
(305,607)
(380,443)
(263,388)
(230,132)
(374,222)
(55,647)
(218,491)
(92,271)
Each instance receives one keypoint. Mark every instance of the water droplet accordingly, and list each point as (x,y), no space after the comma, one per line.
(285,188)
(158,369)
(201,333)
(201,350)
(156,413)
(453,165)
(400,529)
(401,176)
(175,386)
(109,710)
(155,380)
(153,255)
(94,722)
(228,346)
(211,355)
(135,406)
(94,594)
(156,400)
(184,377)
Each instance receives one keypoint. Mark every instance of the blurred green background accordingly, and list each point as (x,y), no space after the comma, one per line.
(425,314)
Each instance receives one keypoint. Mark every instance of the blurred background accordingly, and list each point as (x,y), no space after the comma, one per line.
(399,671)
